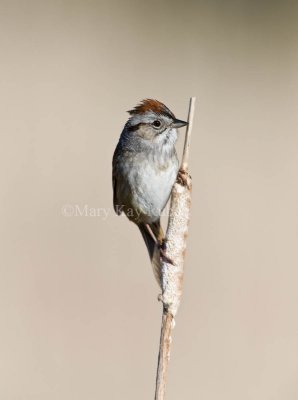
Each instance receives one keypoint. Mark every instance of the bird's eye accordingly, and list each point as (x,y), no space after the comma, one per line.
(156,123)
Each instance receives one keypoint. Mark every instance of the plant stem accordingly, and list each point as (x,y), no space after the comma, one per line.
(172,264)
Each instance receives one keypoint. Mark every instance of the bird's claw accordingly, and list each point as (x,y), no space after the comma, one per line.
(164,257)
(183,178)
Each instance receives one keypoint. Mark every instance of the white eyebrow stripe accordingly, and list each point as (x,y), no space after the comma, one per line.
(147,118)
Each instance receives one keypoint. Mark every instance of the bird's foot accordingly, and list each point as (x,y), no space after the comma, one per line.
(183,178)
(163,255)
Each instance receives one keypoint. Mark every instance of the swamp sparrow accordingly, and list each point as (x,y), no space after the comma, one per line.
(145,167)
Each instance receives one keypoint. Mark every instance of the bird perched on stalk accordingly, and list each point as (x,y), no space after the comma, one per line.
(145,167)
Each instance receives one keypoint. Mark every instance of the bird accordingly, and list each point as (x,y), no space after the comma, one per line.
(144,169)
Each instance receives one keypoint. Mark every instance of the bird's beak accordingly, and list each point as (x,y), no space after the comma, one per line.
(177,123)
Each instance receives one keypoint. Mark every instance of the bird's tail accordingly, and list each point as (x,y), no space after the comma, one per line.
(153,236)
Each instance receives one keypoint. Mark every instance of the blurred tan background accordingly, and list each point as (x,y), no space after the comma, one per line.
(79,317)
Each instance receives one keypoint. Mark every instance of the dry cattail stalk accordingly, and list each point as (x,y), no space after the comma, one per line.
(172,265)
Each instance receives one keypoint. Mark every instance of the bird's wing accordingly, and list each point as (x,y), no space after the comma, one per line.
(114,180)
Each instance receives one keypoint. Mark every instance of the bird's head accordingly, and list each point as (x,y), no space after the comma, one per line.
(152,121)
